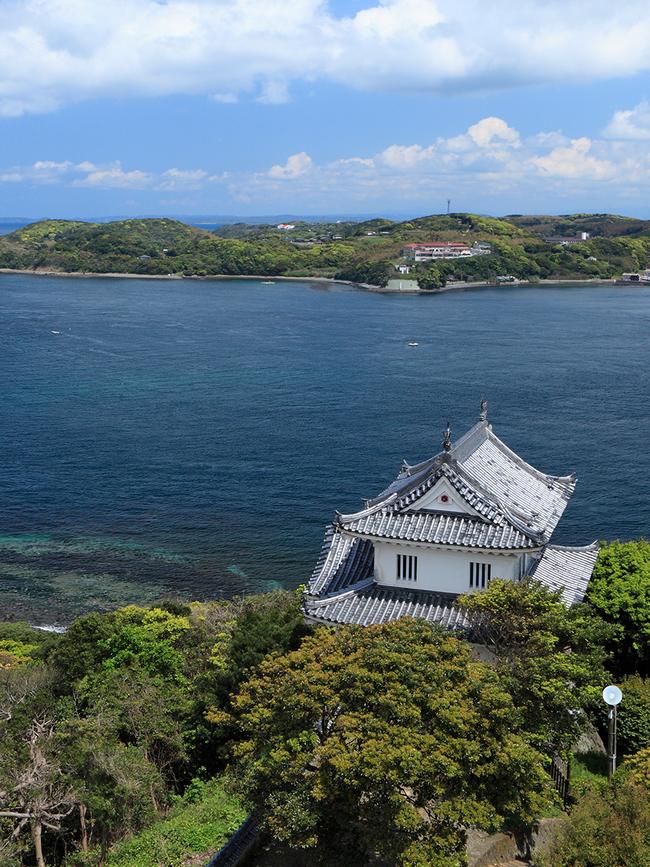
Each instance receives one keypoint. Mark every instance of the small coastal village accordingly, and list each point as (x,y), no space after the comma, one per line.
(421,255)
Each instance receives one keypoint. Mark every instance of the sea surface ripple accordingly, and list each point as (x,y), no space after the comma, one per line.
(193,437)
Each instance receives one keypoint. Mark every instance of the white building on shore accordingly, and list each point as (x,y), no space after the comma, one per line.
(436,250)
(433,250)
(447,526)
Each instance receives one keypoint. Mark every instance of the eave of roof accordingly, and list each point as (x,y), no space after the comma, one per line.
(375,604)
(343,561)
(567,569)
(439,528)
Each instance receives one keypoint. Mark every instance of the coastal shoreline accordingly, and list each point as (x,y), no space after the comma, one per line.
(450,287)
(122,275)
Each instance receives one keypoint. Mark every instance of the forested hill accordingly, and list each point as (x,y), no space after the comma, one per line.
(369,251)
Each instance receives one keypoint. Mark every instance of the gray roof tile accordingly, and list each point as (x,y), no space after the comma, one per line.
(377,604)
(567,569)
(438,528)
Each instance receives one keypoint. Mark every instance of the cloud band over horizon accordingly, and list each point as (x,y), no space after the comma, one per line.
(54,52)
(490,151)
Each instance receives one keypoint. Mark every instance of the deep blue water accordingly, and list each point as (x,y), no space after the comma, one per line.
(190,437)
(6,228)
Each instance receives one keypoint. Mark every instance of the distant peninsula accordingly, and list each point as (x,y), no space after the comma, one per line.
(428,251)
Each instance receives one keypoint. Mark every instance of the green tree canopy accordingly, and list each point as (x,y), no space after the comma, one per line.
(550,656)
(620,591)
(608,827)
(388,739)
(634,716)
(432,278)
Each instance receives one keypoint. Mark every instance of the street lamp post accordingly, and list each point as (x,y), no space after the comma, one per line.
(612,697)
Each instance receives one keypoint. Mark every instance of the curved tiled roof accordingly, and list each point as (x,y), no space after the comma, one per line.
(440,528)
(378,604)
(511,506)
(537,498)
(343,561)
(567,569)
(492,479)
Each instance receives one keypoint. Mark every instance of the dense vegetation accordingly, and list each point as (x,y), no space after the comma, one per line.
(610,824)
(144,735)
(364,252)
(104,727)
(620,592)
(388,739)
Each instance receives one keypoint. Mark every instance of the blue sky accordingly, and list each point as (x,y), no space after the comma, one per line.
(251,107)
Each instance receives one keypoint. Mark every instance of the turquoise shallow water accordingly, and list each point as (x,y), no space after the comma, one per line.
(188,437)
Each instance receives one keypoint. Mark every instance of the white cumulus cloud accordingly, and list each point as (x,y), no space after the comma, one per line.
(57,51)
(575,161)
(493,130)
(295,166)
(630,124)
(115,176)
(487,161)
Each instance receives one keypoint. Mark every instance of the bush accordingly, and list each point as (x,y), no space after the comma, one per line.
(620,591)
(432,279)
(634,716)
(608,827)
(193,827)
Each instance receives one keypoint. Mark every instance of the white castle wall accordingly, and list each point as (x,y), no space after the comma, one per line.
(440,569)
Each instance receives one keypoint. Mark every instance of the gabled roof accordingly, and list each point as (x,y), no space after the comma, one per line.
(494,482)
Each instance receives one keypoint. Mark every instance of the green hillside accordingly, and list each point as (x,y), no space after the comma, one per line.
(366,252)
(598,225)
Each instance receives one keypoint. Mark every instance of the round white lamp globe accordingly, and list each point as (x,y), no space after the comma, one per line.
(612,695)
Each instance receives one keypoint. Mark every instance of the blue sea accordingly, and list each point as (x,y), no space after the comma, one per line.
(192,438)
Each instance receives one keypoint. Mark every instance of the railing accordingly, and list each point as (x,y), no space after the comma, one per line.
(238,846)
(561,779)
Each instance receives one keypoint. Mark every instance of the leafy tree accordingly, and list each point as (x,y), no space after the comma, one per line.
(633,721)
(117,789)
(384,740)
(637,768)
(248,630)
(143,709)
(81,648)
(432,278)
(21,644)
(620,591)
(549,656)
(373,273)
(608,827)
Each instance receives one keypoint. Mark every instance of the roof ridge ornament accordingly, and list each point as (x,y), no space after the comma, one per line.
(484,410)
(446,443)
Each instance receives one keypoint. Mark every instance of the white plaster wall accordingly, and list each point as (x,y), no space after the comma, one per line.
(440,569)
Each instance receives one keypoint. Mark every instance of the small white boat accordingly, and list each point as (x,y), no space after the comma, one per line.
(412,343)
(56,332)
(269,282)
